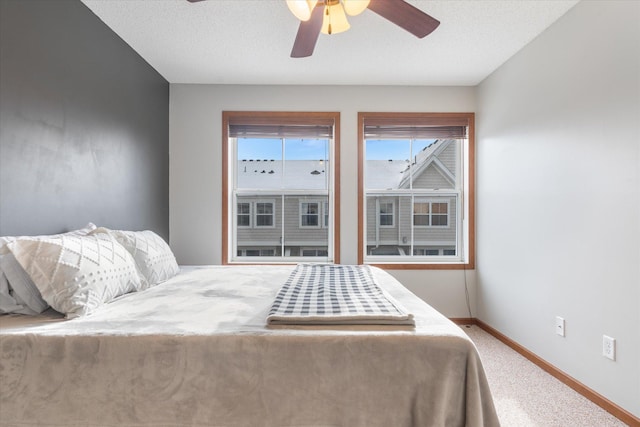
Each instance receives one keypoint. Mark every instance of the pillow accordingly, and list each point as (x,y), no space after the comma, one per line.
(21,287)
(4,240)
(9,304)
(77,274)
(153,255)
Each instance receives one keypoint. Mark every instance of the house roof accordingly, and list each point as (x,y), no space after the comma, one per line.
(313,174)
(268,173)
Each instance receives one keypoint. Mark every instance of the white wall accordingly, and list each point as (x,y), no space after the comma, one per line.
(195,165)
(558,196)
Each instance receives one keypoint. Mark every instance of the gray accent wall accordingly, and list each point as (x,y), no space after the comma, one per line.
(84,124)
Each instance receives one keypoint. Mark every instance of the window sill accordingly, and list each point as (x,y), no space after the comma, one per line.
(422,265)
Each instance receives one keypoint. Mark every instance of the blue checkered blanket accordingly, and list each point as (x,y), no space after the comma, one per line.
(318,294)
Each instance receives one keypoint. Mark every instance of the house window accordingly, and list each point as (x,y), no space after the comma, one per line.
(264,214)
(421,214)
(325,210)
(426,252)
(309,214)
(415,178)
(244,215)
(306,252)
(430,214)
(280,176)
(256,252)
(385,213)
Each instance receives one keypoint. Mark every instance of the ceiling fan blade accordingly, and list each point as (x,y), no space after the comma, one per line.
(405,15)
(308,33)
(194,1)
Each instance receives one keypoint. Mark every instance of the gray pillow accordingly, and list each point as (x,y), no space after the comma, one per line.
(20,288)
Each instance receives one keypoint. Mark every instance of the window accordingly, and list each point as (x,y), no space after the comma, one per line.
(244,215)
(385,213)
(280,187)
(430,214)
(426,252)
(309,214)
(439,214)
(264,214)
(314,252)
(421,214)
(326,214)
(256,252)
(415,181)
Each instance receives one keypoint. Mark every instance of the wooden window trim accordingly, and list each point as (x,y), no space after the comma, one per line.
(277,117)
(432,118)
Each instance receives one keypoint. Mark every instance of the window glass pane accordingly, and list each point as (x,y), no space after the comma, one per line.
(439,220)
(386,220)
(439,208)
(264,208)
(386,208)
(309,220)
(326,214)
(420,208)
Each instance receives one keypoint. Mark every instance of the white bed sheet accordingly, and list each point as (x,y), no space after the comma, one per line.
(196,351)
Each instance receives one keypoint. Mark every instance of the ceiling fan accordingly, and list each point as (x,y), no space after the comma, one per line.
(328,16)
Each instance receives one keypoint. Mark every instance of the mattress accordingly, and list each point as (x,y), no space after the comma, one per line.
(196,351)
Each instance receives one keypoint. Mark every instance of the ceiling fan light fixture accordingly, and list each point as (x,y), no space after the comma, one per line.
(334,20)
(301,9)
(355,7)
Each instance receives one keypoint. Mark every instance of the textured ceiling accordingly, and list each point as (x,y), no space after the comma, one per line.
(249,41)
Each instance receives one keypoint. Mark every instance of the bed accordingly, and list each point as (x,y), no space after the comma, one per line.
(196,350)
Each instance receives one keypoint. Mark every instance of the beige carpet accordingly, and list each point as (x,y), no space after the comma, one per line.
(526,396)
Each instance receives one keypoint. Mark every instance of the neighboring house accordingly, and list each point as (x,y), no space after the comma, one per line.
(260,217)
(395,218)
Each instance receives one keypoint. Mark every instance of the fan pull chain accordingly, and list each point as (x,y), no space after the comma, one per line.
(326,12)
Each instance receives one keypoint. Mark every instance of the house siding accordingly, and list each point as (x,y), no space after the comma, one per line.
(294,234)
(432,179)
(403,218)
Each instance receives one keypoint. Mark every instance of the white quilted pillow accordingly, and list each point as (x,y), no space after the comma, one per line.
(153,255)
(5,240)
(22,290)
(78,274)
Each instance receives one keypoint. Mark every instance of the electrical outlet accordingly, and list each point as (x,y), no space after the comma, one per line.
(609,347)
(560,326)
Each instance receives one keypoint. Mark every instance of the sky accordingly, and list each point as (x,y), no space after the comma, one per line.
(295,149)
(315,149)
